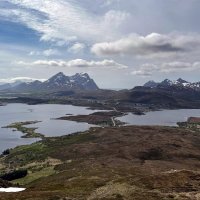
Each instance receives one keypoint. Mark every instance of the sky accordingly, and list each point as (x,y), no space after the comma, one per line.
(119,43)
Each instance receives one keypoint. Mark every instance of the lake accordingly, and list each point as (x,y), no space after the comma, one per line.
(50,127)
(162,118)
(46,113)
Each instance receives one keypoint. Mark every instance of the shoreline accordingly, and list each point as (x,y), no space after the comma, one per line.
(27,132)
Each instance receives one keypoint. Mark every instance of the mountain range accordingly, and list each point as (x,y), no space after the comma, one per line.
(80,89)
(58,82)
(167,94)
(179,84)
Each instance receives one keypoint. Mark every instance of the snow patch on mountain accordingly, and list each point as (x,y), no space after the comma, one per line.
(177,83)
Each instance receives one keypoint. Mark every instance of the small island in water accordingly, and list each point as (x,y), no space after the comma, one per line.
(27,132)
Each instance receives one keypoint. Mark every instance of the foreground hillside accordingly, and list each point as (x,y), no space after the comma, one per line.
(138,163)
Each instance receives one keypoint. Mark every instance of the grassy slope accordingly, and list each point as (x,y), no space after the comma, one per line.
(111,163)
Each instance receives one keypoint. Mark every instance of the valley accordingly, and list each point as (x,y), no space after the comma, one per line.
(99,100)
(121,145)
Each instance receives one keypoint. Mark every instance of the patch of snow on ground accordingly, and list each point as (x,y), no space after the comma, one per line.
(12,189)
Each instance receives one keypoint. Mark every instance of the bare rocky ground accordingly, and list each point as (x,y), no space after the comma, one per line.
(133,163)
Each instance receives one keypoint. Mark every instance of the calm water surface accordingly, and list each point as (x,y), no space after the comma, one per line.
(45,113)
(163,118)
(50,127)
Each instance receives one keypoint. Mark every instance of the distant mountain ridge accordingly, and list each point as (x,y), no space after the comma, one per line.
(58,82)
(179,83)
(4,86)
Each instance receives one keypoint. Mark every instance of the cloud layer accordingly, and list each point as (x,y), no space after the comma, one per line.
(59,32)
(149,69)
(75,63)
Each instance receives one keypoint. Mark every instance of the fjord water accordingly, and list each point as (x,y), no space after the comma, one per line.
(46,113)
(50,127)
(162,118)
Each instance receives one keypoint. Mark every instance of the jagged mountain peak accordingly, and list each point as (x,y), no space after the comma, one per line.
(166,83)
(151,84)
(179,83)
(81,75)
(60,74)
(57,76)
(79,81)
(180,80)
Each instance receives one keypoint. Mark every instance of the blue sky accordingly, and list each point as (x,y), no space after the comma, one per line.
(120,43)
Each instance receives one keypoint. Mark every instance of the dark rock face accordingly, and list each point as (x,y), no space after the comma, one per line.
(166,83)
(180,80)
(151,84)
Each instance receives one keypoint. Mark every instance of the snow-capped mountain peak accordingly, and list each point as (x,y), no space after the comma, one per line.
(166,82)
(79,81)
(179,83)
(180,80)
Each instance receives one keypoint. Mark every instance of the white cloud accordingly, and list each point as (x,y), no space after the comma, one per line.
(77,48)
(109,2)
(50,52)
(60,21)
(152,45)
(141,73)
(115,18)
(149,69)
(75,63)
(47,53)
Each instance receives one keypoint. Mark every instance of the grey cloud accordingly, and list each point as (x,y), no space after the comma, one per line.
(152,45)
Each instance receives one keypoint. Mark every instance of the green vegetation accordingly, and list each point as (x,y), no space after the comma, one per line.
(34,175)
(39,151)
(28,132)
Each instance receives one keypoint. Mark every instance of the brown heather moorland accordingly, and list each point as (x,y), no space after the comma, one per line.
(131,162)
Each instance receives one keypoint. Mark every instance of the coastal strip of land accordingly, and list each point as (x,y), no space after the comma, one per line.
(28,132)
